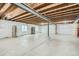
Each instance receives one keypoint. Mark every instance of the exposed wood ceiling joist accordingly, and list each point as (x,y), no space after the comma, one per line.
(65,10)
(27,8)
(64,7)
(55,11)
(1,5)
(67,13)
(71,5)
(54,16)
(40,5)
(39,10)
(75,14)
(10,9)
(5,8)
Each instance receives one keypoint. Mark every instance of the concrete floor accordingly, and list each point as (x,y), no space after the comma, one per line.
(40,45)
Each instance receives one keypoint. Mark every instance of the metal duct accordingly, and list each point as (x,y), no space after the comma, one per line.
(25,7)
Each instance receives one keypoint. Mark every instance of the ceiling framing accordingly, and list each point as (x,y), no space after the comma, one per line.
(56,12)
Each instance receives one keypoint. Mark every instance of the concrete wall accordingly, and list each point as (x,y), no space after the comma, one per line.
(6,28)
(44,29)
(62,29)
(37,29)
(67,29)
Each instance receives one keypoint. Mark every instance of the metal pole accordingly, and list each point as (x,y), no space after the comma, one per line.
(56,29)
(48,30)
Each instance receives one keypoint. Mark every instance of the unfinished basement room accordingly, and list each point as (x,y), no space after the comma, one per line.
(39,29)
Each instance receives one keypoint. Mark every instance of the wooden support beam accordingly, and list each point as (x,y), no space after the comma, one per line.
(53,15)
(44,8)
(10,9)
(66,13)
(35,7)
(65,10)
(68,6)
(5,8)
(1,5)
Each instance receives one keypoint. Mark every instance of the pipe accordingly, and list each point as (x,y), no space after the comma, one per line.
(25,7)
(76,19)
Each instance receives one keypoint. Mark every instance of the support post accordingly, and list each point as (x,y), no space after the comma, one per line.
(56,29)
(78,29)
(48,30)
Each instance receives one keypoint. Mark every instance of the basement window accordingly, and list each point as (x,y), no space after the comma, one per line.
(24,28)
